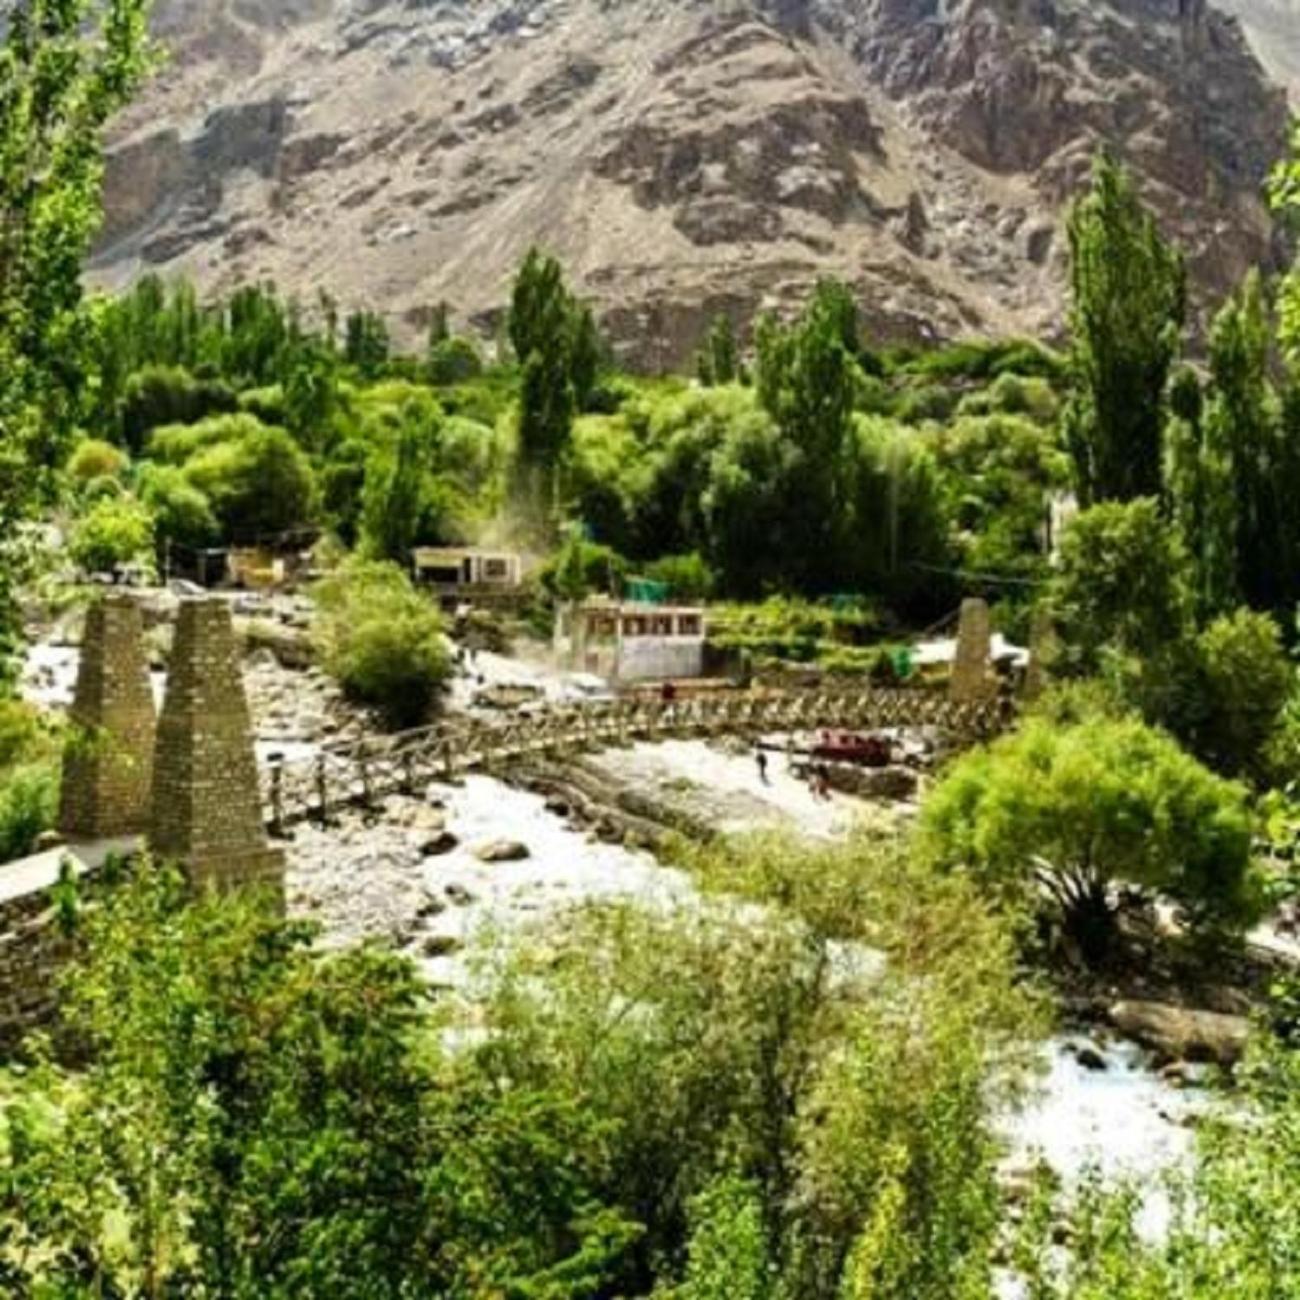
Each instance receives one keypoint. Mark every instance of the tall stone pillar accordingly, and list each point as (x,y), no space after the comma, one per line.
(108,766)
(971,680)
(207,807)
(1042,652)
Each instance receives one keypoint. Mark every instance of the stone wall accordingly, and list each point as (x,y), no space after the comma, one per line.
(207,811)
(108,771)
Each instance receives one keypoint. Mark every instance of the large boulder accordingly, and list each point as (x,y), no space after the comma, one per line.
(1178,1034)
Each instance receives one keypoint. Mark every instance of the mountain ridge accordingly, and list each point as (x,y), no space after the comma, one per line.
(685,158)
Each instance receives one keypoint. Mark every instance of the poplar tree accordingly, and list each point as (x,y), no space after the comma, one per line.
(1127,313)
(65,67)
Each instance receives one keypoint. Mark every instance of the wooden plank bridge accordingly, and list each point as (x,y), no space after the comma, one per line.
(361,774)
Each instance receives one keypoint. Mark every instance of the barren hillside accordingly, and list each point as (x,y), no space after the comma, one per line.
(686,156)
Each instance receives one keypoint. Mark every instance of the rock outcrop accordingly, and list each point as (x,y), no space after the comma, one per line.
(683,156)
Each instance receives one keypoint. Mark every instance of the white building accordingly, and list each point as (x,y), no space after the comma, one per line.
(631,642)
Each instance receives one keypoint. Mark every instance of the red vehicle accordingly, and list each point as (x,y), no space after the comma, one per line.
(851,747)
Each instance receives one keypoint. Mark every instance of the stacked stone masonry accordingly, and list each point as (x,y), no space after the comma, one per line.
(972,682)
(107,773)
(206,803)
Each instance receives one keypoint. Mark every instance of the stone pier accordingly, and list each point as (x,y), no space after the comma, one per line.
(207,808)
(972,682)
(108,766)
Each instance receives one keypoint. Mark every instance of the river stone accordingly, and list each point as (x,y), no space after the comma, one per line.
(1176,1033)
(1090,1056)
(459,895)
(502,851)
(439,846)
(441,945)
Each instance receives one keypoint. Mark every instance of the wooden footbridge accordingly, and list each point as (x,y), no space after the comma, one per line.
(363,773)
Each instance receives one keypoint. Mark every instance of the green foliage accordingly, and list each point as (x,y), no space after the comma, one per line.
(687,577)
(1230,710)
(454,361)
(92,458)
(182,515)
(115,531)
(66,67)
(1127,313)
(1121,584)
(261,484)
(366,343)
(728,1250)
(235,1078)
(996,473)
(29,805)
(398,485)
(382,641)
(719,360)
(176,444)
(1235,1227)
(1058,814)
(169,395)
(1253,440)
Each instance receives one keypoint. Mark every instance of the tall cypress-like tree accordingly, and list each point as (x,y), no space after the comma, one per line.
(1127,315)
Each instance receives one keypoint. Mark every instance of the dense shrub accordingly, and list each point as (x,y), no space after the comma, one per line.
(382,641)
(116,530)
(29,805)
(92,458)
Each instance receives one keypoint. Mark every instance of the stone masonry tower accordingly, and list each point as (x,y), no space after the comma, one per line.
(971,680)
(207,810)
(108,768)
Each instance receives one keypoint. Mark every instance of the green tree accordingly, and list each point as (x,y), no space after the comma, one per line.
(1240,687)
(398,486)
(720,355)
(259,485)
(1059,814)
(1127,311)
(1121,584)
(1200,489)
(366,343)
(66,66)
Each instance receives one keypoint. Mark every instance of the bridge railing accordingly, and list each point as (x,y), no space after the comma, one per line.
(369,770)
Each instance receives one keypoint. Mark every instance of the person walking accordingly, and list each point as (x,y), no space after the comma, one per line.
(762,766)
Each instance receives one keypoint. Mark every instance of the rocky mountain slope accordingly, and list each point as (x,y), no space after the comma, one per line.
(686,156)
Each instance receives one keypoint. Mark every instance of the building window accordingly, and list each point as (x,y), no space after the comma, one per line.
(496,570)
(690,625)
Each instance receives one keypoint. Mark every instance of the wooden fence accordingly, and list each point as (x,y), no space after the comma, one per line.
(363,773)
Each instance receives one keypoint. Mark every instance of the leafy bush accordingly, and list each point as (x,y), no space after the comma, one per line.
(93,458)
(116,531)
(29,806)
(260,485)
(382,641)
(1055,816)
